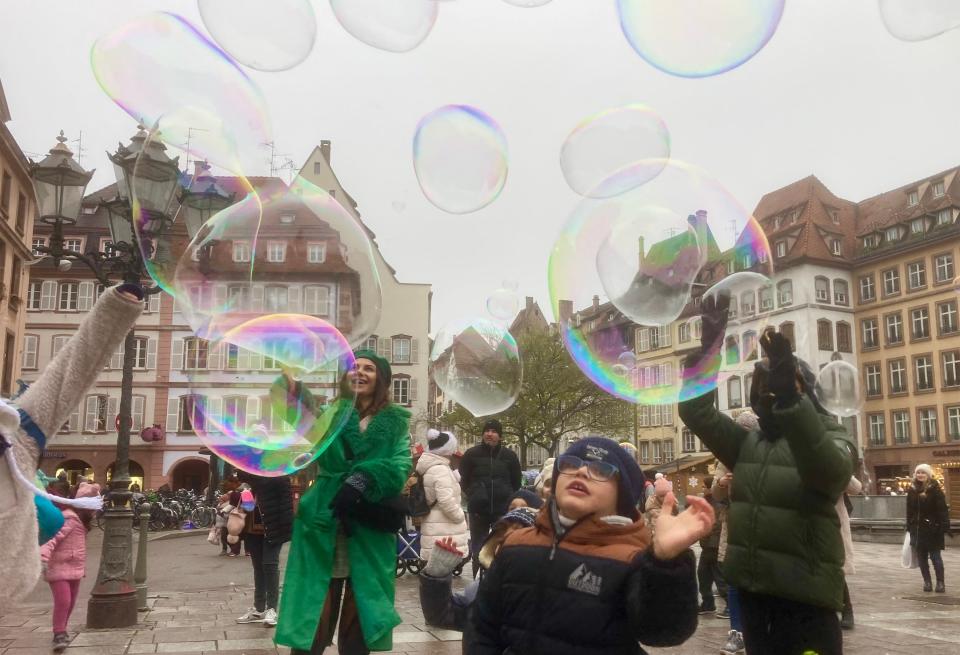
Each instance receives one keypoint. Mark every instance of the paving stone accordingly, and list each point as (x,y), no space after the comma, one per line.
(244,644)
(187,647)
(186,634)
(101,637)
(412,637)
(142,648)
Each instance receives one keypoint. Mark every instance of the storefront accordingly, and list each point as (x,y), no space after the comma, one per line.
(893,468)
(687,473)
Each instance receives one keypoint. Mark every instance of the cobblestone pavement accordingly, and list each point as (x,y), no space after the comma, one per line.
(893,616)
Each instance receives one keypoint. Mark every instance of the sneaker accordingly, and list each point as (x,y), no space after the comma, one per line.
(270,617)
(252,616)
(724,613)
(734,645)
(60,641)
(707,609)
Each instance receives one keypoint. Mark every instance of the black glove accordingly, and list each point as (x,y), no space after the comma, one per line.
(350,493)
(782,379)
(713,315)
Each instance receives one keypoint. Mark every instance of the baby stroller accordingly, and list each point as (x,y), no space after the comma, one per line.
(408,552)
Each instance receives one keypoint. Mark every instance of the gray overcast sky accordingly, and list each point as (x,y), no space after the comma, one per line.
(832,94)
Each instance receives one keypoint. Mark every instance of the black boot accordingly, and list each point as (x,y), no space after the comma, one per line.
(940,588)
(846,618)
(927,586)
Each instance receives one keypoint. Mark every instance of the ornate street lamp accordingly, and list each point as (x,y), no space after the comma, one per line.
(147,183)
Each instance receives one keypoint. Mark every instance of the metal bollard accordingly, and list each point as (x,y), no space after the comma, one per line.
(140,572)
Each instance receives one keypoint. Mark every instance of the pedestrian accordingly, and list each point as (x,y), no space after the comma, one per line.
(784,552)
(844,507)
(442,490)
(525,498)
(40,412)
(927,522)
(654,505)
(489,474)
(64,559)
(544,482)
(601,585)
(229,503)
(708,567)
(343,557)
(268,526)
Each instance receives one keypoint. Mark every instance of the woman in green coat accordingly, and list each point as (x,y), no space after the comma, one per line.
(339,566)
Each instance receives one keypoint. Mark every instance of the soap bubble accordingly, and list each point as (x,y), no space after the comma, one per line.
(503,304)
(258,423)
(918,20)
(615,151)
(628,359)
(279,250)
(387,24)
(477,364)
(161,70)
(272,36)
(460,158)
(838,389)
(690,38)
(717,234)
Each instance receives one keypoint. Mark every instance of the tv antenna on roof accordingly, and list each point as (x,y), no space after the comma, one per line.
(274,155)
(190,131)
(79,142)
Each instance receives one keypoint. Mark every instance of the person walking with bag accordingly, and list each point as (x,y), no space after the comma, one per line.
(927,522)
(442,490)
(341,570)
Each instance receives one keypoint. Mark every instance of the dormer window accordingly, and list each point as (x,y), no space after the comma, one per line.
(892,234)
(288,219)
(913,198)
(835,216)
(938,189)
(871,241)
(835,247)
(90,209)
(781,248)
(777,222)
(944,217)
(916,226)
(794,215)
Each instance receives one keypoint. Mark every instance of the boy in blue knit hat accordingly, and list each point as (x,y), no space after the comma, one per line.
(600,583)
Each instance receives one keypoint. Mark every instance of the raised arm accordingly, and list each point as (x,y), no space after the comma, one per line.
(821,448)
(717,431)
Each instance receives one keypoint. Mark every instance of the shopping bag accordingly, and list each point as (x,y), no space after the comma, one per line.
(908,555)
(213,537)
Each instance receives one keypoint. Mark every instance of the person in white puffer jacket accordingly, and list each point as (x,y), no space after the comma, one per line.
(442,486)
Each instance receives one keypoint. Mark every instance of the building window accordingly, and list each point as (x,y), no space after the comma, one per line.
(841,293)
(951,369)
(898,376)
(835,247)
(923,372)
(668,451)
(401,390)
(871,241)
(916,275)
(31,344)
(781,248)
(877,437)
(786,329)
(947,317)
(644,451)
(920,323)
(901,426)
(871,373)
(750,349)
(69,293)
(913,198)
(869,333)
(953,423)
(38,242)
(192,413)
(943,268)
(235,411)
(97,414)
(734,393)
(690,441)
(891,282)
(74,245)
(316,300)
(276,299)
(894,329)
(195,353)
(766,299)
(657,452)
(944,217)
(843,337)
(867,290)
(928,425)
(748,303)
(683,333)
(401,350)
(892,234)
(34,294)
(241,251)
(916,226)
(785,292)
(822,287)
(938,189)
(276,251)
(824,335)
(316,253)
(5,186)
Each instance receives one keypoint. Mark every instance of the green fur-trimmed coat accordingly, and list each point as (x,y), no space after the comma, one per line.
(382,454)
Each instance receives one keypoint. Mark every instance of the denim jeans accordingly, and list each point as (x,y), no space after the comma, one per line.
(266,571)
(926,556)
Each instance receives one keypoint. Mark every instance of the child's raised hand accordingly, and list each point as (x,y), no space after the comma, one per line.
(674,534)
(448,544)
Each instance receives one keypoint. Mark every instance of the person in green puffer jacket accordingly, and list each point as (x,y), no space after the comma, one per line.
(784,550)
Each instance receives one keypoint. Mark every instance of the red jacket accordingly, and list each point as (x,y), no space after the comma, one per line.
(66,554)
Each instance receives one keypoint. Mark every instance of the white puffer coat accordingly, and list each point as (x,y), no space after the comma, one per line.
(446,518)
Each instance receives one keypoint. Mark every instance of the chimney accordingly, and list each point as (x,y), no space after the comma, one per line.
(529,302)
(566,310)
(596,303)
(699,223)
(325,150)
(640,249)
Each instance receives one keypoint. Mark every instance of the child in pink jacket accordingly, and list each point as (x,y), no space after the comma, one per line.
(65,560)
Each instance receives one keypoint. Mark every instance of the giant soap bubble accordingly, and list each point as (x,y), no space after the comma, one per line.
(387,24)
(838,389)
(477,364)
(918,20)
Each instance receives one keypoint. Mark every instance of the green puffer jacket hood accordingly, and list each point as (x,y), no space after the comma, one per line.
(783,529)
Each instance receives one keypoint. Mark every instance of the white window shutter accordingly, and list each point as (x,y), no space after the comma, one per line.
(214,414)
(139,405)
(256,298)
(214,356)
(293,300)
(151,353)
(256,361)
(310,301)
(85,299)
(385,349)
(243,359)
(220,295)
(176,359)
(153,302)
(667,334)
(74,423)
(643,335)
(48,296)
(323,301)
(173,415)
(413,389)
(415,351)
(116,360)
(113,408)
(253,411)
(90,416)
(30,351)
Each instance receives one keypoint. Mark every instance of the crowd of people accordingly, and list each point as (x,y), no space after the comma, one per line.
(595,558)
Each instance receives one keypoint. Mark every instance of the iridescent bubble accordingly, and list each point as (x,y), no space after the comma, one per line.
(712,236)
(387,24)
(615,151)
(838,389)
(259,423)
(162,71)
(918,20)
(620,370)
(272,36)
(477,364)
(628,359)
(279,250)
(503,304)
(690,38)
(460,158)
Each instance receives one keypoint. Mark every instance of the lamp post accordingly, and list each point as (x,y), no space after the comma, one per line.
(148,180)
